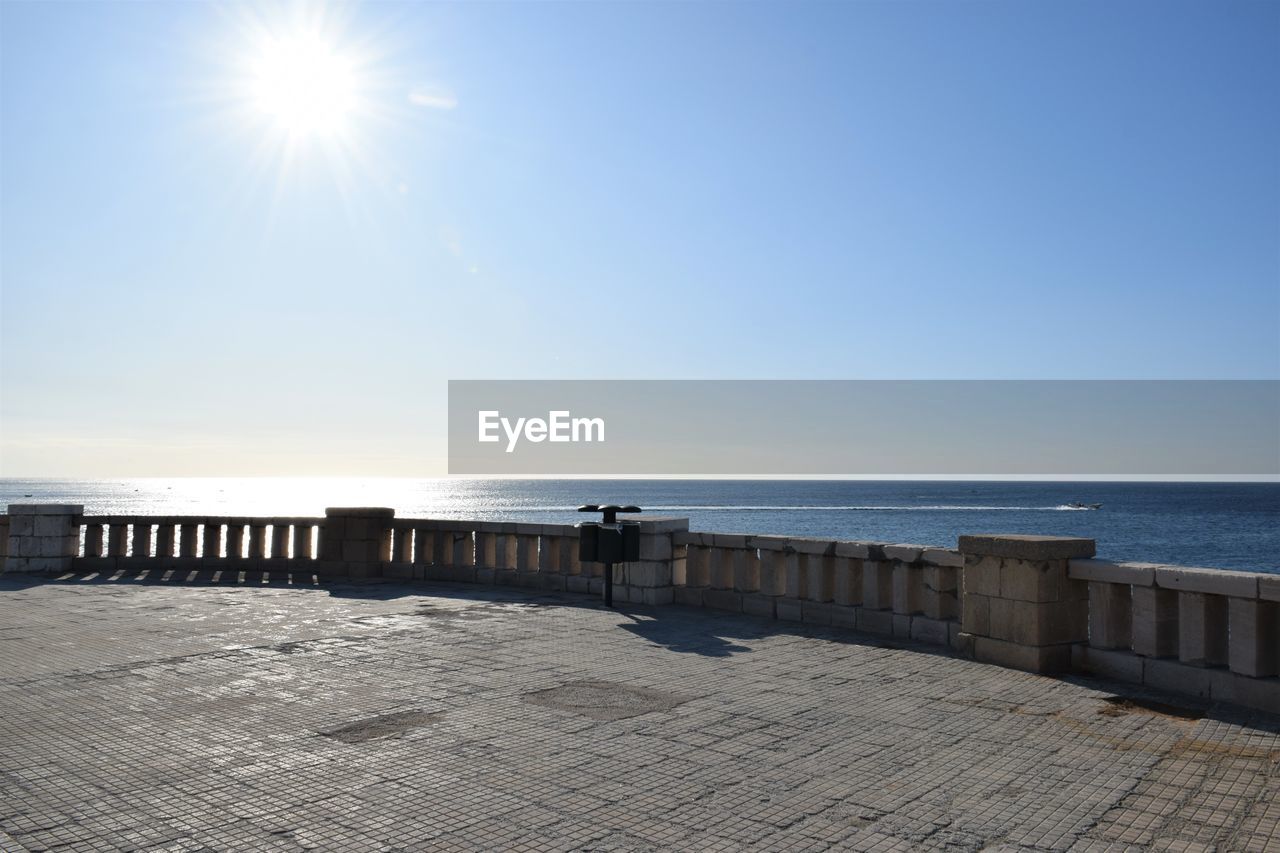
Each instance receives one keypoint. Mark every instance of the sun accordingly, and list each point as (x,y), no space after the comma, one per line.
(310,96)
(304,85)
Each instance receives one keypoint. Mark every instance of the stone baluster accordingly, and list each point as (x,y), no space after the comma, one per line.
(423,545)
(1155,622)
(118,539)
(940,583)
(93,540)
(188,546)
(464,553)
(141,539)
(1202,629)
(698,567)
(164,539)
(235,541)
(279,539)
(487,548)
(302,536)
(549,554)
(1253,648)
(877,579)
(211,540)
(404,545)
(526,553)
(908,580)
(847,586)
(442,550)
(257,540)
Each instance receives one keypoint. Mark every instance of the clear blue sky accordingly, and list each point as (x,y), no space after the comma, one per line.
(703,190)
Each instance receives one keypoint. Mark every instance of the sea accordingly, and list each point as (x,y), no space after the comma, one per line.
(1219,525)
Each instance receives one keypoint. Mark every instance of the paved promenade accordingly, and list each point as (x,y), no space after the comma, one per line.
(184,717)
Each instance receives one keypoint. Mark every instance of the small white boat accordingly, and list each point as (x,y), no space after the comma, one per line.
(1078,505)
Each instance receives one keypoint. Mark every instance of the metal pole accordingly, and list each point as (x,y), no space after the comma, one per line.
(608,584)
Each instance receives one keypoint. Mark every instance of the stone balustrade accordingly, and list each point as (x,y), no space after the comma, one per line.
(1036,603)
(909,591)
(349,542)
(1206,632)
(183,541)
(537,556)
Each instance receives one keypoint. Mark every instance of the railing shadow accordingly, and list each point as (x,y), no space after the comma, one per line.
(176,577)
(1127,699)
(381,589)
(682,636)
(684,630)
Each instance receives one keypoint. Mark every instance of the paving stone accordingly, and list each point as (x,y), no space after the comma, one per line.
(253,713)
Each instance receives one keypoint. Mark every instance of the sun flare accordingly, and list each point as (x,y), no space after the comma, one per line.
(304,85)
(311,98)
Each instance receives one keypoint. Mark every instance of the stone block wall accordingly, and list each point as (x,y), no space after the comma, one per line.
(1020,606)
(354,541)
(42,537)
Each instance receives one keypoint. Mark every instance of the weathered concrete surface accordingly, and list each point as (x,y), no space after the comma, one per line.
(176,717)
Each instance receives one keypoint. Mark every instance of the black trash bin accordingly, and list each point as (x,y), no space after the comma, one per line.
(609,541)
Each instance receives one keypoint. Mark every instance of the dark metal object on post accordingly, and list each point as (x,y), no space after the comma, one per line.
(609,541)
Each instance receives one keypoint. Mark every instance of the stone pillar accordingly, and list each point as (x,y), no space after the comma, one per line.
(43,537)
(1110,616)
(211,541)
(487,547)
(164,540)
(141,540)
(279,540)
(940,584)
(118,540)
(848,573)
(877,583)
(1255,629)
(301,542)
(820,576)
(1155,622)
(187,539)
(403,551)
(235,541)
(649,580)
(746,571)
(424,543)
(92,539)
(1020,608)
(1202,631)
(355,541)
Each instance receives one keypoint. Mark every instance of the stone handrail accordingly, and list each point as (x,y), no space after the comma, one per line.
(542,556)
(1037,603)
(359,542)
(1207,632)
(134,538)
(899,590)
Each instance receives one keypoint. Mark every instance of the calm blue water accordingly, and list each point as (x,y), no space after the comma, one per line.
(1227,525)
